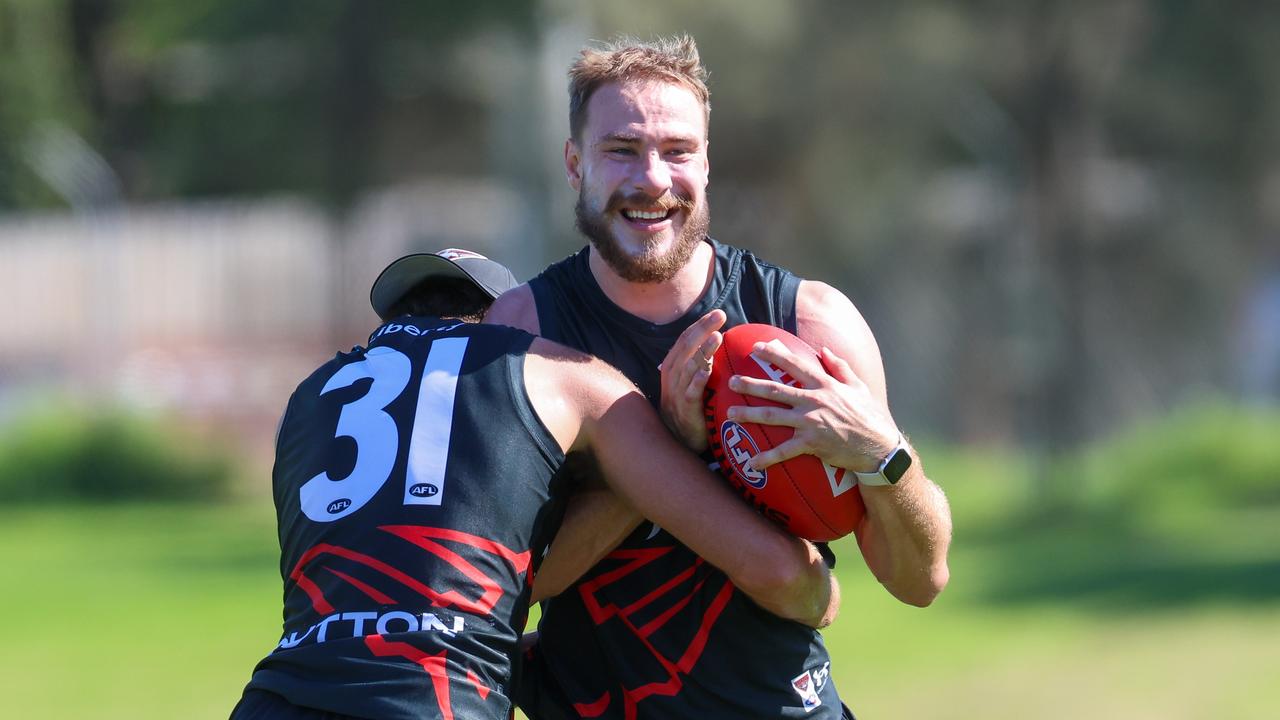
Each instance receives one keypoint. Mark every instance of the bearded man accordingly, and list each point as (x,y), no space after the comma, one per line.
(652,630)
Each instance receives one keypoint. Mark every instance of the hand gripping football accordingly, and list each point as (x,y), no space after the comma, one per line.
(806,497)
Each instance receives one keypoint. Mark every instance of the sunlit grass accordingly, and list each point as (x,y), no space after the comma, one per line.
(135,611)
(161,611)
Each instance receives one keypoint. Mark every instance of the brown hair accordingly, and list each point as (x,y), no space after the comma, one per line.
(624,59)
(445,298)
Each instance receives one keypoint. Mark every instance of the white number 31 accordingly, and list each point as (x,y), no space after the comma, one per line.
(377,439)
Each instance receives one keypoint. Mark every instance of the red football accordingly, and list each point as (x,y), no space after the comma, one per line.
(811,500)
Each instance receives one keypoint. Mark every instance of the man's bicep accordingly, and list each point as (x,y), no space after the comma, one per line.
(825,317)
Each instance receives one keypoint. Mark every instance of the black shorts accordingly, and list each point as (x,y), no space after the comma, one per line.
(263,705)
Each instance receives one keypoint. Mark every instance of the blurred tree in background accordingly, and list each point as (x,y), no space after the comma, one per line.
(231,97)
(70,454)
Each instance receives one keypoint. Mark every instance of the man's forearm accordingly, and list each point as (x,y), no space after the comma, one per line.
(595,521)
(905,537)
(797,587)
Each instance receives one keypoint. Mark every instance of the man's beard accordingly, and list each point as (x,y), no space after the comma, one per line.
(648,267)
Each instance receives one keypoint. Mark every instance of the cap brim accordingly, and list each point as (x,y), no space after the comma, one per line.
(402,275)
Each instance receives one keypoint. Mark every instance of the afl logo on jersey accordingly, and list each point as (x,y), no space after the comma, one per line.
(739,447)
(423,490)
(338,506)
(807,688)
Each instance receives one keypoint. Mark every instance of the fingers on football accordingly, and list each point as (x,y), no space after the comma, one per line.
(838,367)
(808,373)
(697,369)
(782,453)
(767,415)
(713,343)
(697,385)
(713,320)
(765,389)
(697,333)
(696,344)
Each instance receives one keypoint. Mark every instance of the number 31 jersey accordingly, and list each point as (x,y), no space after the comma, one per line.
(412,482)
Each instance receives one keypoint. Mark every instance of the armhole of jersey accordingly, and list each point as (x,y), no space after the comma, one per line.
(280,423)
(828,555)
(275,452)
(786,302)
(544,306)
(533,424)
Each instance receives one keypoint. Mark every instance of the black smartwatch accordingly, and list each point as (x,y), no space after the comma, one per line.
(891,469)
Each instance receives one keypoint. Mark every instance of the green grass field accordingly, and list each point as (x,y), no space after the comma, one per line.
(160,611)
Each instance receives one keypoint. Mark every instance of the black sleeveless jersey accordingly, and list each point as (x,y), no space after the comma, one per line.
(412,484)
(653,631)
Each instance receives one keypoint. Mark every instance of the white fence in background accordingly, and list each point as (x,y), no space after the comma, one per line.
(212,311)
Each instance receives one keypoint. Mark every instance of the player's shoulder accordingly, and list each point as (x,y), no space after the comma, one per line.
(814,297)
(571,361)
(573,373)
(557,285)
(568,387)
(822,310)
(516,308)
(826,317)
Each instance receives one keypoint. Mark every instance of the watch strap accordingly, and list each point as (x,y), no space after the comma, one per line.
(891,469)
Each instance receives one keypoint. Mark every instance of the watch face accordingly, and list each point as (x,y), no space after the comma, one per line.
(897,465)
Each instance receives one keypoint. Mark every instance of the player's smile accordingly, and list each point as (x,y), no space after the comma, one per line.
(646,216)
(651,220)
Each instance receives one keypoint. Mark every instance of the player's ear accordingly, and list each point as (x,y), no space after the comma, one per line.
(573,164)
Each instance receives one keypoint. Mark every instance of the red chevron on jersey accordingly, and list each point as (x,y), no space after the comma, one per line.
(491,589)
(681,648)
(481,689)
(364,587)
(433,664)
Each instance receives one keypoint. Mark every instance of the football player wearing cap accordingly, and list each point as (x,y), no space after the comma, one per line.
(462,277)
(416,485)
(652,290)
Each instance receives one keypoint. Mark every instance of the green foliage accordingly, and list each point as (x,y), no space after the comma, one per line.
(78,455)
(1199,458)
(1179,511)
